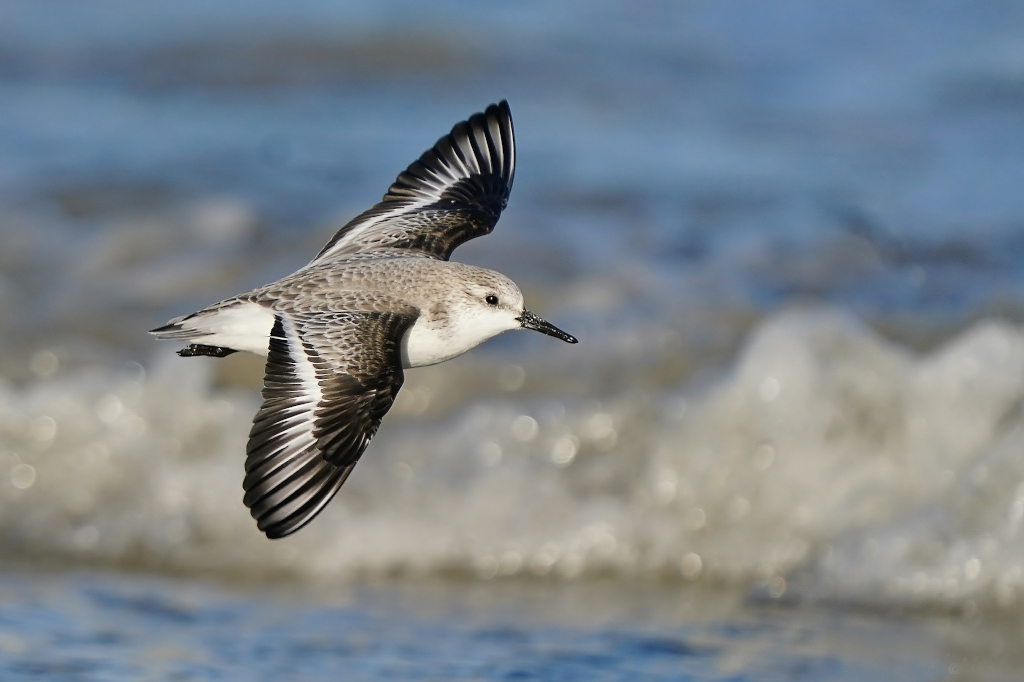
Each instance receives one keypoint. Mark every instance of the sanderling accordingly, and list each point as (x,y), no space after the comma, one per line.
(379,297)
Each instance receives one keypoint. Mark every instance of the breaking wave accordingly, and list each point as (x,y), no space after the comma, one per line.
(826,462)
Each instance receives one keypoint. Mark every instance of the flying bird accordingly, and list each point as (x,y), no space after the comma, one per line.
(380,297)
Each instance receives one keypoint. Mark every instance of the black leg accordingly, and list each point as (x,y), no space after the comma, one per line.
(197,349)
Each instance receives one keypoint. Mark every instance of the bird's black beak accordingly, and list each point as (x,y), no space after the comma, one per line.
(530,321)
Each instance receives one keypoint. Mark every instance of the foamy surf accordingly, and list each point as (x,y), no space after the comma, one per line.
(872,474)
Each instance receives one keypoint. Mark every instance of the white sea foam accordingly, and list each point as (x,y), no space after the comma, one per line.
(826,453)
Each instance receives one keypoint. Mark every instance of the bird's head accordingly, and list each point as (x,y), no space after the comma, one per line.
(491,303)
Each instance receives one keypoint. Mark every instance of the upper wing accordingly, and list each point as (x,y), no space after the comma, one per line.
(329,382)
(453,193)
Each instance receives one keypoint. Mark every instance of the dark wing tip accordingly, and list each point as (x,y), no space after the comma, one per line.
(481,146)
(279,515)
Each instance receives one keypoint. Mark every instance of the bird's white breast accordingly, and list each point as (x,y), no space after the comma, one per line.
(427,344)
(430,341)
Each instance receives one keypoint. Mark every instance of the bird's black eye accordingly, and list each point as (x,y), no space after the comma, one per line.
(491,299)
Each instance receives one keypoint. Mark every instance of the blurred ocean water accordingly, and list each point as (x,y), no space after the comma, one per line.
(97,627)
(788,235)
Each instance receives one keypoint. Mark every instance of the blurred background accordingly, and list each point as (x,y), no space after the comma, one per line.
(789,445)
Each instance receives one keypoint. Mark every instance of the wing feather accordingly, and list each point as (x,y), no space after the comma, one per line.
(323,401)
(454,192)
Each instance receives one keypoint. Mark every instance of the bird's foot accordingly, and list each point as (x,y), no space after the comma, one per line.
(197,349)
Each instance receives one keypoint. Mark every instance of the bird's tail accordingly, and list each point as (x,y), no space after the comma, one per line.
(179,329)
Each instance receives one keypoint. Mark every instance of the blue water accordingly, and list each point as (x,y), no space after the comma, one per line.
(96,627)
(788,234)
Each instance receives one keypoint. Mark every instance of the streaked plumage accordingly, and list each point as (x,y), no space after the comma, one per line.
(381,296)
